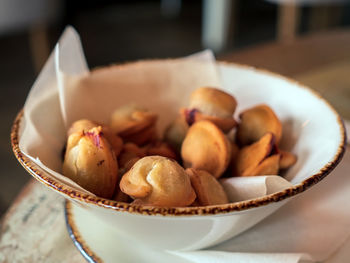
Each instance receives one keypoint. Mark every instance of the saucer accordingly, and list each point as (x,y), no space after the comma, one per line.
(99,243)
(102,243)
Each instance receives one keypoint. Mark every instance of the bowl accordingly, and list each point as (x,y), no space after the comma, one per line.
(312,130)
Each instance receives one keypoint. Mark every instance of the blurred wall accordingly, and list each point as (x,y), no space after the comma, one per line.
(21,14)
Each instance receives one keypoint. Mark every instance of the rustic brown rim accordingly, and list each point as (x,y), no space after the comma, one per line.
(38,174)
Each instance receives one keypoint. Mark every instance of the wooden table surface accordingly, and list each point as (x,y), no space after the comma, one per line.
(320,61)
(33,229)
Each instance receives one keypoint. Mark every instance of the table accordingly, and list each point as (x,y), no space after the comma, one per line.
(320,61)
(33,229)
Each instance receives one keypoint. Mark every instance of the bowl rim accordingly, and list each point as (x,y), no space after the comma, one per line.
(38,174)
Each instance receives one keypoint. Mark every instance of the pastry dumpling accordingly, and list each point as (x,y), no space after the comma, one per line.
(206,148)
(269,166)
(114,140)
(212,101)
(91,163)
(134,124)
(160,148)
(208,189)
(287,159)
(256,122)
(129,155)
(82,125)
(158,181)
(211,104)
(258,158)
(85,125)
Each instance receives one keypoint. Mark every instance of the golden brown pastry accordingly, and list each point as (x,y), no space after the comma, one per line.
(195,203)
(208,190)
(206,148)
(287,159)
(232,164)
(175,133)
(213,105)
(114,140)
(214,102)
(268,166)
(193,115)
(84,125)
(130,152)
(158,181)
(119,195)
(162,149)
(134,124)
(142,137)
(256,122)
(91,163)
(122,197)
(250,157)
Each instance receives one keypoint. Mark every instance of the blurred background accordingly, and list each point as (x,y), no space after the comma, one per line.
(306,40)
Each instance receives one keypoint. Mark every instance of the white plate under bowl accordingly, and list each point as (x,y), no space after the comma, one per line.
(93,240)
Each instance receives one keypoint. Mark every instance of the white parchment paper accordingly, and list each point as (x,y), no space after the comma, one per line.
(245,188)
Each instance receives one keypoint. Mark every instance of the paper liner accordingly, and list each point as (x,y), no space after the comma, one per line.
(251,187)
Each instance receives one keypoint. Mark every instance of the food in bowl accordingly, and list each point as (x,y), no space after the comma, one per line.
(256,122)
(213,105)
(127,160)
(90,161)
(134,124)
(206,147)
(158,181)
(258,158)
(208,189)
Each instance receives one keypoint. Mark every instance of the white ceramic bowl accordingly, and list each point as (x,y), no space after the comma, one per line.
(312,130)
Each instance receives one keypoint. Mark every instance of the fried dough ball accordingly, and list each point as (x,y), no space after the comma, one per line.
(232,164)
(269,166)
(122,197)
(208,190)
(287,160)
(114,140)
(130,151)
(147,135)
(213,102)
(84,125)
(158,181)
(256,122)
(119,195)
(213,105)
(254,159)
(206,148)
(193,115)
(134,124)
(91,163)
(162,149)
